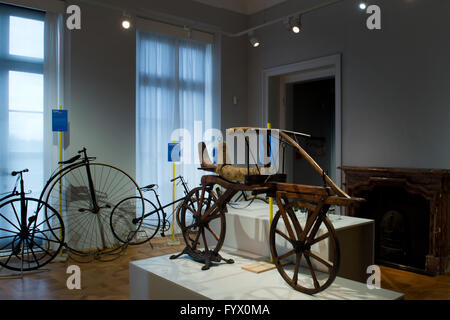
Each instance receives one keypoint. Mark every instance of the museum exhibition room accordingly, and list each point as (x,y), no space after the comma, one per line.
(225,150)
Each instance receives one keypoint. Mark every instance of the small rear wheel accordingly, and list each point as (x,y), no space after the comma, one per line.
(127,228)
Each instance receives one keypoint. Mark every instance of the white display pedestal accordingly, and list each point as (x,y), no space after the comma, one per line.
(247,229)
(160,278)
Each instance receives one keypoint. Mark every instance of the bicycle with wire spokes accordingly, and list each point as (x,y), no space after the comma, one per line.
(123,219)
(242,199)
(84,192)
(31,230)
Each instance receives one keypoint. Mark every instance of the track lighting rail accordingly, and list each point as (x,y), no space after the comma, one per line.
(282,19)
(192,25)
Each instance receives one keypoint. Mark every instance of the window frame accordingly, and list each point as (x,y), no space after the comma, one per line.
(14,62)
(9,62)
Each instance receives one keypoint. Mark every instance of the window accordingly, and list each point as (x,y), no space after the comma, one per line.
(174,91)
(22,95)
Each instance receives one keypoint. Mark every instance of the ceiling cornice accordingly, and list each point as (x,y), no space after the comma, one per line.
(246,7)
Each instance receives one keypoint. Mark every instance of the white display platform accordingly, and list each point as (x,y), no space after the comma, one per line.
(247,229)
(160,278)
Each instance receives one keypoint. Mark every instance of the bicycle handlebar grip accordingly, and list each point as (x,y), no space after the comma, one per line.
(82,150)
(15,173)
(175,179)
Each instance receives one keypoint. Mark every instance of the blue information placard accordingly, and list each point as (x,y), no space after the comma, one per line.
(174,152)
(59,120)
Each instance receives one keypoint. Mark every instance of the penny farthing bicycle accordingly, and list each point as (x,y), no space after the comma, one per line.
(85,192)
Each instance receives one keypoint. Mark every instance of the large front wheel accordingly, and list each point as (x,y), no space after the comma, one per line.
(30,244)
(85,195)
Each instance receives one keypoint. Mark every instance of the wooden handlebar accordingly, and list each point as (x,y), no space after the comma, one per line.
(315,166)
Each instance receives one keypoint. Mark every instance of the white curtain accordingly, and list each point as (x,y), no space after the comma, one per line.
(174,91)
(53,86)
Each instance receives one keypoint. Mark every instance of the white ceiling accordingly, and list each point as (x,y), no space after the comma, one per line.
(242,6)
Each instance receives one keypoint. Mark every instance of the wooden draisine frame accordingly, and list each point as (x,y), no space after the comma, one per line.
(206,209)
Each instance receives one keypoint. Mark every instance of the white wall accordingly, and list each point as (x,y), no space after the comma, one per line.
(395,82)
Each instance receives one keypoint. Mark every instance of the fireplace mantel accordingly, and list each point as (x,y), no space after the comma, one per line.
(432,184)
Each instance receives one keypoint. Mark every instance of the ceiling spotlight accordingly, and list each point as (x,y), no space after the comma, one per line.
(295,24)
(126,21)
(253,40)
(126,24)
(362,5)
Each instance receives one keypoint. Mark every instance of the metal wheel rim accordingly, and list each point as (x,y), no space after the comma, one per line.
(105,221)
(50,254)
(149,207)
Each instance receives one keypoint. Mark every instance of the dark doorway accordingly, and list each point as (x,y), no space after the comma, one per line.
(313,112)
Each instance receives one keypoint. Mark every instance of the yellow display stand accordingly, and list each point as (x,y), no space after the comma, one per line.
(62,257)
(269,126)
(173,241)
(263,266)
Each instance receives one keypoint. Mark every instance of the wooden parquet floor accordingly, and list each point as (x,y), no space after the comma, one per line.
(416,286)
(110,280)
(99,280)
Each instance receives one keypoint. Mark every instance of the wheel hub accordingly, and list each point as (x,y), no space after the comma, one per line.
(300,246)
(199,223)
(24,234)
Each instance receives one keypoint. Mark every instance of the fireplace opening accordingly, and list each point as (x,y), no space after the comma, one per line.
(401,226)
(393,237)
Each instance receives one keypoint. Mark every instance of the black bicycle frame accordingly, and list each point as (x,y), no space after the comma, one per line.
(95,208)
(85,161)
(161,207)
(23,207)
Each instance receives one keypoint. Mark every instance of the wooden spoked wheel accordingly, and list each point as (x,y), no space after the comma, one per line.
(307,262)
(201,221)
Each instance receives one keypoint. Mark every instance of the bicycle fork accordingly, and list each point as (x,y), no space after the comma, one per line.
(95,206)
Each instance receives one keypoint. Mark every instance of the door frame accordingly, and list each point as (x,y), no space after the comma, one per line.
(315,69)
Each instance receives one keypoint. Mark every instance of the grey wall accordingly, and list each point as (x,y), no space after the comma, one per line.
(395,98)
(102,80)
(395,82)
(102,103)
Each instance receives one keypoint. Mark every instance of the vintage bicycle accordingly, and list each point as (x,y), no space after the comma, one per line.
(123,218)
(31,230)
(299,243)
(85,192)
(242,199)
